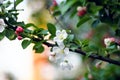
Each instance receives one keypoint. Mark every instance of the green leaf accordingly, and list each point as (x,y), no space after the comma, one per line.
(38,47)
(31,25)
(44,32)
(65,6)
(83,20)
(25,43)
(93,8)
(56,13)
(10,34)
(117,32)
(70,37)
(2,35)
(18,2)
(51,29)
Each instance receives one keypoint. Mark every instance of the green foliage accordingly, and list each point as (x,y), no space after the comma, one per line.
(18,2)
(31,25)
(51,29)
(83,20)
(10,34)
(2,35)
(26,43)
(38,47)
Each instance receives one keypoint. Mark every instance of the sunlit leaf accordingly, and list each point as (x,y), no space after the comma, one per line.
(51,29)
(25,43)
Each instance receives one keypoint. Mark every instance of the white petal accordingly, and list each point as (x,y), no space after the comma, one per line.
(64,34)
(56,39)
(2,25)
(51,58)
(56,49)
(58,32)
(2,28)
(66,50)
(52,53)
(61,45)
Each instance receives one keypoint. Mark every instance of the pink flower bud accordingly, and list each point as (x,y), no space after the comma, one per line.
(54,3)
(19,29)
(19,37)
(81,11)
(17,33)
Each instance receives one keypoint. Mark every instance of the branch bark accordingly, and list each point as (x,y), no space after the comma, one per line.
(94,56)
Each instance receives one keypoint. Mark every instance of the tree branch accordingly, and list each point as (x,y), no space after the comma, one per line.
(94,56)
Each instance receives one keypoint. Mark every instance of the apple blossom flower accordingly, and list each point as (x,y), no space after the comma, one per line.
(65,65)
(60,36)
(2,25)
(58,53)
(61,51)
(108,41)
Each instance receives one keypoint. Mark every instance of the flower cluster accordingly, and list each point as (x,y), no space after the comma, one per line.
(19,30)
(108,41)
(111,41)
(59,53)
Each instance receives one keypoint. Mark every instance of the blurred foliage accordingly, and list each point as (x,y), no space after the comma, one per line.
(101,20)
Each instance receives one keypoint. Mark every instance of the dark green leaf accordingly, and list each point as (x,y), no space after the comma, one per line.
(2,35)
(38,47)
(70,37)
(56,13)
(64,7)
(93,8)
(31,25)
(18,2)
(10,34)
(44,32)
(25,43)
(51,29)
(83,20)
(117,32)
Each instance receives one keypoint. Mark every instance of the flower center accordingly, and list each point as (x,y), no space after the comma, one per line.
(62,51)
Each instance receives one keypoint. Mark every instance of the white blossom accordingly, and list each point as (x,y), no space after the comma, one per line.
(2,25)
(53,57)
(58,53)
(61,50)
(118,47)
(60,36)
(108,41)
(65,65)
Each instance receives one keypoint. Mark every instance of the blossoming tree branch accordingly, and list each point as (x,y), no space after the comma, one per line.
(63,39)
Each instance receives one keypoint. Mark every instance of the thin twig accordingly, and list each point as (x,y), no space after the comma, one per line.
(94,56)
(57,21)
